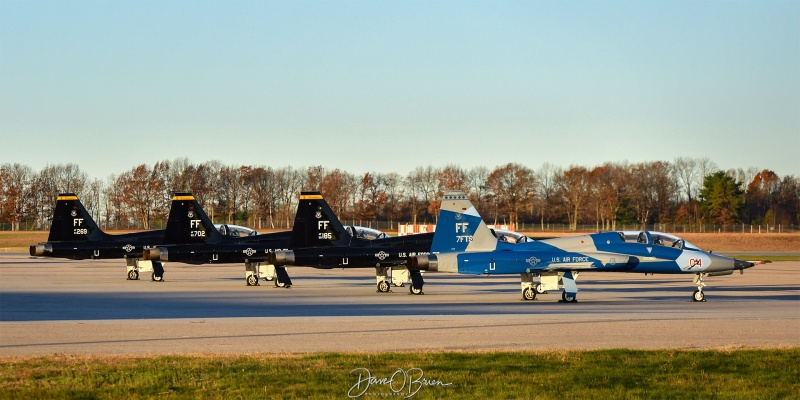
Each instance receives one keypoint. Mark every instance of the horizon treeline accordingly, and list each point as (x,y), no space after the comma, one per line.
(684,192)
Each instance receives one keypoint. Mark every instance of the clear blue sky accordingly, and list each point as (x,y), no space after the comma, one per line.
(391,85)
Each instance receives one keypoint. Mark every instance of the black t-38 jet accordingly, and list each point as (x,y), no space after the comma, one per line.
(318,239)
(75,235)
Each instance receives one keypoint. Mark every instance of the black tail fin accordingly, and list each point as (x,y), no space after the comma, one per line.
(316,225)
(71,221)
(188,223)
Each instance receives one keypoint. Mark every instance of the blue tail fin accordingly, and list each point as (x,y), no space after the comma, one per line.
(460,228)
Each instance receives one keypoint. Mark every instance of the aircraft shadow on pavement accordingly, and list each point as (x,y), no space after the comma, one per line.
(21,306)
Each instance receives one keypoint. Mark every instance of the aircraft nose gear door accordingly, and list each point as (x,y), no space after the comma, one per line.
(416,283)
(282,277)
(158,272)
(570,294)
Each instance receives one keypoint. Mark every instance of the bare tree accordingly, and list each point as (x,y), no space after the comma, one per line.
(338,188)
(513,186)
(478,187)
(545,188)
(610,187)
(15,181)
(421,184)
(142,190)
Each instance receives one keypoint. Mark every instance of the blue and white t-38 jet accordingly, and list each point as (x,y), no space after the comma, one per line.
(463,243)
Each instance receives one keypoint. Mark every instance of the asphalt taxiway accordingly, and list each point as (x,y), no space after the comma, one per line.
(88,307)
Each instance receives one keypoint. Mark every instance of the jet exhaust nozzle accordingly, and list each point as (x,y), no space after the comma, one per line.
(281,257)
(41,249)
(156,254)
(423,263)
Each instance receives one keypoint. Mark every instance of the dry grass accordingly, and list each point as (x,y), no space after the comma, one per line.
(20,241)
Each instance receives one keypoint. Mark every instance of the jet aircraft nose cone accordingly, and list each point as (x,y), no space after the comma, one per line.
(739,264)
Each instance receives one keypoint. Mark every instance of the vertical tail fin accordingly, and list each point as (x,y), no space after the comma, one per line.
(460,228)
(71,221)
(316,225)
(188,223)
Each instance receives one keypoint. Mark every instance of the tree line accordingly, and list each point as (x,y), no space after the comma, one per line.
(686,191)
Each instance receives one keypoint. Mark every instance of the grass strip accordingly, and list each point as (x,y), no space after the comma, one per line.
(618,374)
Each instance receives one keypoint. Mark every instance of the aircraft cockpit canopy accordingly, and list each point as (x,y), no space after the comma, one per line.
(510,236)
(235,230)
(656,238)
(363,232)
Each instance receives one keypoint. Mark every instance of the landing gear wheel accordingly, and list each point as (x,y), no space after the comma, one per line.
(252,280)
(414,290)
(540,289)
(133,275)
(269,278)
(383,286)
(568,298)
(528,294)
(156,278)
(280,284)
(698,296)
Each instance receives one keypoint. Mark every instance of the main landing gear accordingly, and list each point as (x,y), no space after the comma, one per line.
(136,266)
(158,272)
(397,277)
(282,279)
(550,281)
(254,272)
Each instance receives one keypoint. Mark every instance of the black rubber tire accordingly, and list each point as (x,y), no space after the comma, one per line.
(529,294)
